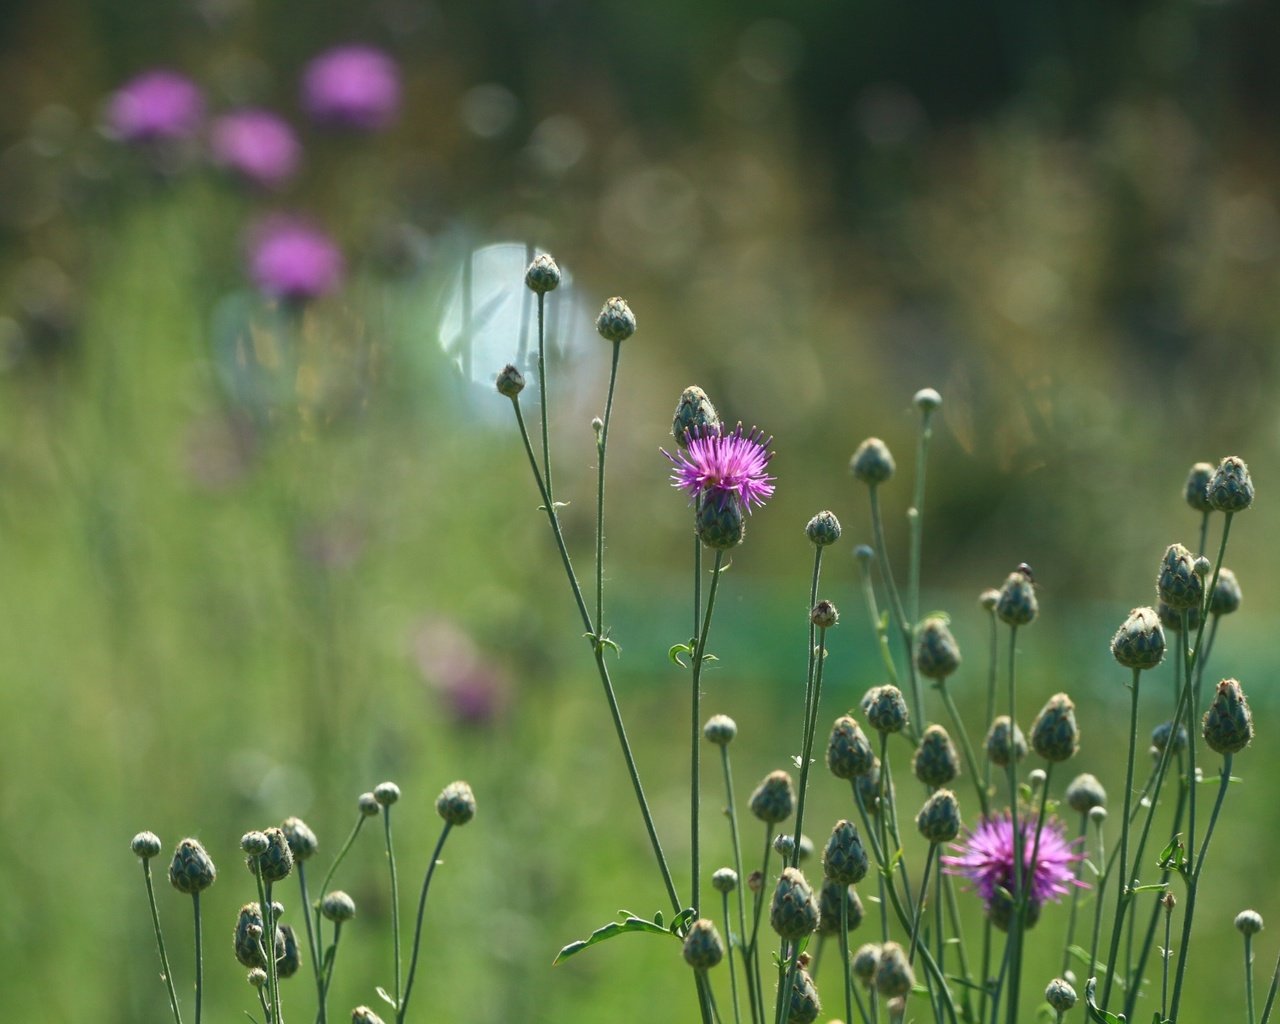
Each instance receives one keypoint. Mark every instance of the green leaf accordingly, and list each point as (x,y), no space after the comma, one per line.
(883,626)
(681,919)
(382,992)
(1082,954)
(604,642)
(1097,1015)
(629,923)
(676,651)
(657,918)
(1150,887)
(709,657)
(1157,1019)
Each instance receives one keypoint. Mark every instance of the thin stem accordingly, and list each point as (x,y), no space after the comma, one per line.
(732,814)
(1123,896)
(895,606)
(1271,992)
(787,990)
(1204,531)
(417,928)
(266,912)
(1164,959)
(915,516)
(806,752)
(1105,874)
(699,653)
(966,747)
(312,947)
(602,449)
(873,612)
(164,956)
(992,675)
(953,912)
(395,900)
(195,905)
(332,957)
(810,704)
(1012,941)
(924,888)
(844,957)
(733,971)
(1248,975)
(755,925)
(542,399)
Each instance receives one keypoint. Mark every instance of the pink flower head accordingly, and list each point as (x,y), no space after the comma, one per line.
(720,466)
(157,104)
(986,859)
(355,87)
(256,144)
(289,259)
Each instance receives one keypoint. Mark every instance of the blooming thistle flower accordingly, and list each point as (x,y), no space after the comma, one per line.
(985,857)
(257,145)
(291,260)
(722,467)
(355,87)
(156,105)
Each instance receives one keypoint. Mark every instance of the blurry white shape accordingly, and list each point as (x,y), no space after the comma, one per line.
(489,110)
(770,50)
(558,143)
(653,214)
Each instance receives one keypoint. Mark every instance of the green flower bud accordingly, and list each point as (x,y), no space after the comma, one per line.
(1231,489)
(784,845)
(1060,995)
(1016,604)
(845,860)
(829,907)
(1197,490)
(1162,733)
(1054,734)
(774,799)
(805,1006)
(720,730)
(1225,598)
(927,400)
(703,948)
(1139,643)
(893,974)
(146,845)
(848,752)
(255,844)
(364,1015)
(1085,793)
(456,804)
(1178,585)
(939,818)
(1248,922)
(543,274)
(301,840)
(794,910)
(1005,745)
(1000,910)
(866,959)
(823,529)
(989,599)
(824,615)
(720,525)
(694,414)
(872,463)
(937,653)
(368,805)
(510,382)
(290,960)
(885,709)
(616,322)
(1228,724)
(386,793)
(257,977)
(935,762)
(248,938)
(864,555)
(191,871)
(337,906)
(725,880)
(277,861)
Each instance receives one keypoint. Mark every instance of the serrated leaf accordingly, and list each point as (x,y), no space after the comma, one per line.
(382,993)
(676,651)
(1098,1016)
(613,928)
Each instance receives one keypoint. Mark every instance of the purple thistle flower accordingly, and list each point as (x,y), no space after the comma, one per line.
(157,104)
(986,859)
(355,87)
(289,259)
(720,466)
(256,144)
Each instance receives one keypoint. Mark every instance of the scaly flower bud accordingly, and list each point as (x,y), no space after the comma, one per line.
(510,381)
(1060,995)
(301,840)
(937,653)
(543,274)
(848,752)
(805,1006)
(720,730)
(1231,489)
(1248,922)
(885,709)
(1197,490)
(872,463)
(725,880)
(694,414)
(935,762)
(845,860)
(1054,734)
(368,805)
(893,974)
(1228,724)
(823,529)
(927,400)
(191,870)
(1017,605)
(824,615)
(939,818)
(1004,744)
(865,961)
(1162,733)
(1085,793)
(386,793)
(720,525)
(364,1015)
(616,322)
(794,910)
(1178,585)
(288,962)
(829,907)
(456,804)
(277,861)
(337,906)
(1139,643)
(703,947)
(1225,598)
(146,845)
(774,799)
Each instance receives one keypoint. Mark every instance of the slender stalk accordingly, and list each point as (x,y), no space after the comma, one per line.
(1248,973)
(267,913)
(895,607)
(1124,895)
(953,912)
(312,947)
(732,814)
(873,612)
(1204,532)
(755,925)
(1103,876)
(787,989)
(164,956)
(395,900)
(844,958)
(1271,992)
(1075,898)
(915,515)
(733,971)
(924,888)
(195,905)
(811,715)
(699,654)
(810,705)
(542,398)
(602,449)
(1023,902)
(970,759)
(986,970)
(417,928)
(332,957)
(313,914)
(1164,959)
(993,663)
(1012,942)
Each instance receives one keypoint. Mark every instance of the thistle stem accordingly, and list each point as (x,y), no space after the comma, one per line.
(1164,970)
(895,606)
(417,928)
(312,948)
(844,958)
(992,676)
(811,724)
(1075,898)
(602,449)
(732,814)
(966,747)
(542,398)
(1271,992)
(1124,895)
(915,516)
(699,654)
(1248,974)
(164,956)
(1013,941)
(195,904)
(395,901)
(924,888)
(733,971)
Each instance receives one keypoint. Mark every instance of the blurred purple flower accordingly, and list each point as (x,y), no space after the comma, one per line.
(718,466)
(157,104)
(355,87)
(289,259)
(258,145)
(474,689)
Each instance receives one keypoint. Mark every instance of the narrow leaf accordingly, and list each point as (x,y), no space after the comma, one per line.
(1097,1015)
(382,992)
(1151,887)
(613,928)
(676,651)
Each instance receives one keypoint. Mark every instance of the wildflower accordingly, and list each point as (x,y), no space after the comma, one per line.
(774,799)
(1228,724)
(289,259)
(1139,643)
(893,974)
(1005,744)
(865,961)
(703,947)
(146,845)
(985,857)
(885,709)
(616,322)
(937,653)
(725,880)
(257,145)
(935,762)
(456,804)
(1231,489)
(355,87)
(823,529)
(1248,922)
(848,752)
(1060,995)
(720,730)
(156,105)
(302,841)
(337,906)
(794,910)
(805,1006)
(829,907)
(694,414)
(1197,490)
(1085,793)
(543,274)
(1177,584)
(191,870)
(1016,603)
(725,468)
(871,463)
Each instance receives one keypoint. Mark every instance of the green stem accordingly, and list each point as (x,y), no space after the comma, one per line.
(195,904)
(1248,975)
(924,888)
(1075,898)
(1124,895)
(844,957)
(542,400)
(312,947)
(333,958)
(787,989)
(417,928)
(395,900)
(1204,532)
(313,911)
(1012,940)
(1271,992)
(699,654)
(164,956)
(733,971)
(992,676)
(895,606)
(873,612)
(602,448)
(267,913)
(806,753)
(1103,876)
(915,517)
(966,747)
(732,814)
(809,721)
(755,924)
(1164,960)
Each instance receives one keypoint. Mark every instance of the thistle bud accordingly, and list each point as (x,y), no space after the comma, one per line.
(1165,732)
(848,752)
(989,599)
(720,525)
(784,845)
(543,274)
(257,977)
(146,845)
(1084,793)
(794,910)
(937,653)
(1054,734)
(368,805)
(845,860)
(1225,598)
(510,381)
(1228,724)
(927,400)
(824,615)
(872,463)
(1037,778)
(1097,815)
(893,973)
(364,1015)
(720,730)
(939,818)
(337,906)
(288,962)
(1016,605)
(1231,489)
(1178,585)
(248,937)
(1060,995)
(823,529)
(935,762)
(254,843)
(805,1006)
(774,799)
(703,948)
(302,841)
(1248,922)
(1005,745)
(725,880)
(829,907)
(1171,618)
(1139,643)
(277,861)
(885,709)
(865,961)
(456,804)
(864,555)
(1201,566)
(755,881)
(867,788)
(1197,490)
(386,793)
(616,322)
(694,415)
(191,871)
(1000,909)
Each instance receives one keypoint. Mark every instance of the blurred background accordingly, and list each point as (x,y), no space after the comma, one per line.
(267,543)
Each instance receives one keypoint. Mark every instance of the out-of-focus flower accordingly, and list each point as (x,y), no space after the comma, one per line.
(289,259)
(258,145)
(155,105)
(356,87)
(723,466)
(474,690)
